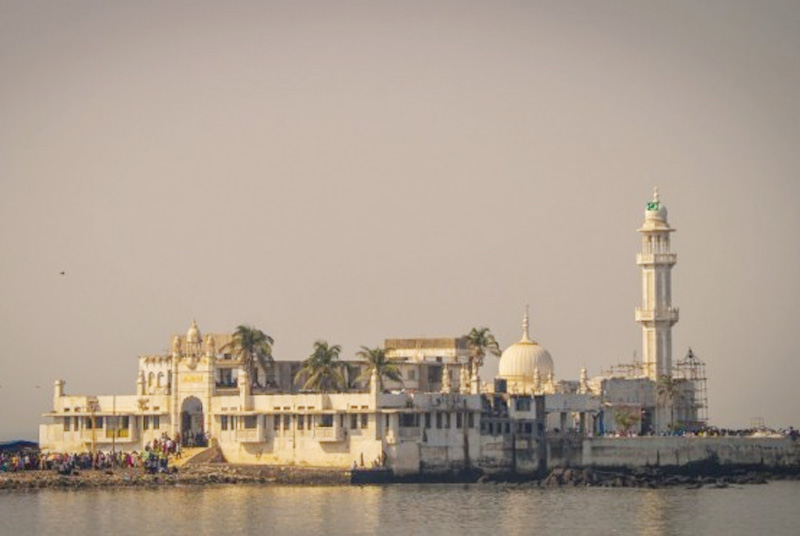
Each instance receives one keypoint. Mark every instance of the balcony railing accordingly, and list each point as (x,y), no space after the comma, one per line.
(657,315)
(656,258)
(409,433)
(250,435)
(328,434)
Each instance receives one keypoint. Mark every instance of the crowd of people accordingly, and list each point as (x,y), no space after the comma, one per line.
(154,458)
(20,460)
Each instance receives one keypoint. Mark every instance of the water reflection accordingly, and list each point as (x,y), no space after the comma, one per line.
(402,509)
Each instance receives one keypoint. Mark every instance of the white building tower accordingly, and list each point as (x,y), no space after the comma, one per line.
(656,315)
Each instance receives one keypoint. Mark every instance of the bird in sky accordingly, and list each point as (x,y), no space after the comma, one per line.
(62,273)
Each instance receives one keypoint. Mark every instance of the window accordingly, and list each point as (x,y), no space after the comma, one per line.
(353,421)
(434,375)
(156,420)
(459,420)
(67,421)
(438,420)
(447,421)
(325,421)
(301,422)
(412,375)
(287,422)
(250,421)
(226,378)
(161,379)
(523,403)
(409,420)
(276,422)
(223,422)
(364,420)
(427,420)
(471,419)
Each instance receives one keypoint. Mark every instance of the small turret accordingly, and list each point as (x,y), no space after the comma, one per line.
(176,346)
(584,382)
(193,340)
(373,383)
(58,392)
(211,346)
(463,380)
(446,388)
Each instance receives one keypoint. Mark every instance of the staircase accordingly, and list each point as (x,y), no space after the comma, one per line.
(197,455)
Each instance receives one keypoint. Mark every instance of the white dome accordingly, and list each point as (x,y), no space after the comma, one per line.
(520,361)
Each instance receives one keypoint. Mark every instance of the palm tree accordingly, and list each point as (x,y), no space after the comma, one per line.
(254,348)
(322,371)
(481,341)
(668,391)
(625,418)
(383,366)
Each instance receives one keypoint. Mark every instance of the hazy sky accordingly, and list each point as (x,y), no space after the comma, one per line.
(356,171)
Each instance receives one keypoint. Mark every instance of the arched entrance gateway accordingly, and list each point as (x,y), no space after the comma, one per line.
(192,433)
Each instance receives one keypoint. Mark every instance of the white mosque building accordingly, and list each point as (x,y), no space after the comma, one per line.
(441,413)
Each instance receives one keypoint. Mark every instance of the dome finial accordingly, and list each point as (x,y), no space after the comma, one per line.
(655,194)
(526,324)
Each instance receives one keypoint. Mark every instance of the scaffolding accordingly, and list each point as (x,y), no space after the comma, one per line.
(633,369)
(691,369)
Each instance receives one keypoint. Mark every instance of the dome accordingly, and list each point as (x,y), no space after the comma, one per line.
(520,361)
(525,363)
(656,210)
(193,335)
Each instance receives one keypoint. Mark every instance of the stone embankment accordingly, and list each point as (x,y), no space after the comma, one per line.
(214,474)
(656,478)
(192,475)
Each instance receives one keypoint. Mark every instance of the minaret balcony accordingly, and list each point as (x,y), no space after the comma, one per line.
(658,315)
(656,258)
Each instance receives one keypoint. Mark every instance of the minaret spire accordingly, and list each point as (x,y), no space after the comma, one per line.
(526,337)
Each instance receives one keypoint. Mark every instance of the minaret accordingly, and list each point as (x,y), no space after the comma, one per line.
(656,315)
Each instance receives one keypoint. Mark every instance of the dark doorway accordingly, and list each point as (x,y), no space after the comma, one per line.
(192,432)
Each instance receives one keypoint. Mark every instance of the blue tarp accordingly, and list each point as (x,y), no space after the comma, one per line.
(18,445)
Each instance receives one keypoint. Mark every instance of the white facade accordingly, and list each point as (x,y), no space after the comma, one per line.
(437,415)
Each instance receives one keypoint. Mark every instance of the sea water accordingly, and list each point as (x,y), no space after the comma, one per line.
(402,509)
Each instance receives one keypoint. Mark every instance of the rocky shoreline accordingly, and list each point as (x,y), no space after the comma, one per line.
(220,474)
(655,478)
(194,475)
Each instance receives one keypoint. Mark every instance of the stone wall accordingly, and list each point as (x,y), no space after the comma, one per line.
(669,450)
